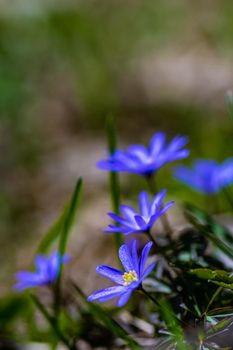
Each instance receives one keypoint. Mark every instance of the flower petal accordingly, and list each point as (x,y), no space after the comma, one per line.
(140,222)
(148,271)
(166,207)
(144,204)
(125,258)
(144,256)
(135,256)
(106,293)
(128,212)
(117,218)
(124,298)
(157,202)
(111,273)
(157,143)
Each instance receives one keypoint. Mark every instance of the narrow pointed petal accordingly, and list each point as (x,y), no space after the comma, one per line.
(117,218)
(144,204)
(157,143)
(41,264)
(124,298)
(128,212)
(111,273)
(106,294)
(148,270)
(157,201)
(125,258)
(113,228)
(140,222)
(177,143)
(135,256)
(144,255)
(166,207)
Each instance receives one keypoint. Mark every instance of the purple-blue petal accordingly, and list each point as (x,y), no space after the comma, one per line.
(125,258)
(128,212)
(140,222)
(124,298)
(144,204)
(148,271)
(157,143)
(135,256)
(157,201)
(144,255)
(106,293)
(111,273)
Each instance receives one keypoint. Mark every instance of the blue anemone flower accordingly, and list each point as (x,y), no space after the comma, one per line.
(133,222)
(206,176)
(143,160)
(47,270)
(128,281)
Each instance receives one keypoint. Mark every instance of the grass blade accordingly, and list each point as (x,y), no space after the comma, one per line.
(67,225)
(229,98)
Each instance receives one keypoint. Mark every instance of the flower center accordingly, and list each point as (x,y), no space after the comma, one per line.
(129,277)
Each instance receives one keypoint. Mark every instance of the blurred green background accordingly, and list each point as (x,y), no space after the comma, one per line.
(66,65)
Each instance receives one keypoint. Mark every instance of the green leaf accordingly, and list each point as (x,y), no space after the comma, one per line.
(229,98)
(67,225)
(69,217)
(199,218)
(58,227)
(218,277)
(209,228)
(224,285)
(173,325)
(101,315)
(53,233)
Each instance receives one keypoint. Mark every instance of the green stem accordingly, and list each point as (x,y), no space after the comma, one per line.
(151,237)
(149,296)
(212,299)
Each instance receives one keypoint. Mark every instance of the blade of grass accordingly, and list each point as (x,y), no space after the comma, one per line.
(173,325)
(113,176)
(229,98)
(102,315)
(53,233)
(67,225)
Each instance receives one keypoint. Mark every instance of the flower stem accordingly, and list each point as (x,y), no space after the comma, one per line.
(149,296)
(151,237)
(164,219)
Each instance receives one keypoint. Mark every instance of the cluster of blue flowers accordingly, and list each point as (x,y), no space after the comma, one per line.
(206,176)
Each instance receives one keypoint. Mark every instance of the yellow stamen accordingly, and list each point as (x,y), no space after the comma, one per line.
(129,277)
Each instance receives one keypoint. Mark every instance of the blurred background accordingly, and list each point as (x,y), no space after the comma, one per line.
(66,65)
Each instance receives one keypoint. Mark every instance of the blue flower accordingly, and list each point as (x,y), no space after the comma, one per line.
(133,222)
(206,176)
(128,281)
(47,269)
(143,160)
